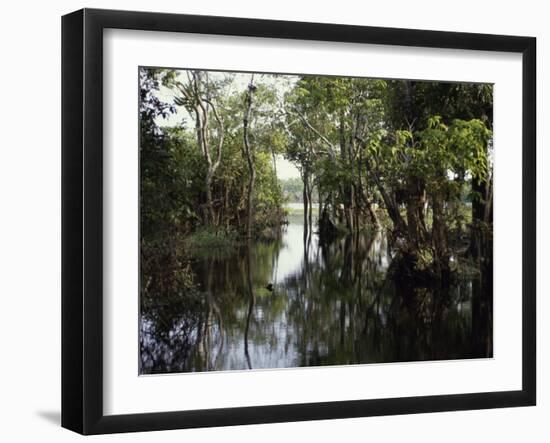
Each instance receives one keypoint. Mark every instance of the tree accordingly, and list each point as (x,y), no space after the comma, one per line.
(196,96)
(249,157)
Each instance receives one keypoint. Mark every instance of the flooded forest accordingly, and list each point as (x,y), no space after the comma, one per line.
(305,220)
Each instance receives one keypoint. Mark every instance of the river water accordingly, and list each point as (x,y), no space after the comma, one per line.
(293,301)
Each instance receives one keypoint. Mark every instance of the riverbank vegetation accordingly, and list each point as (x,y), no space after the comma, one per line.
(375,244)
(411,157)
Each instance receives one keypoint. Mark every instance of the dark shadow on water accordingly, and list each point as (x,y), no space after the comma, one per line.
(53,417)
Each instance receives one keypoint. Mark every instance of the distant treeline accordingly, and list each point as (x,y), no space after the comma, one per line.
(293,190)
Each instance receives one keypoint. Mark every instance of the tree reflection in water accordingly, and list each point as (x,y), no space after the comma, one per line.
(329,304)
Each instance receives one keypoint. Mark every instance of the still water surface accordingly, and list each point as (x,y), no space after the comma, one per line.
(295,302)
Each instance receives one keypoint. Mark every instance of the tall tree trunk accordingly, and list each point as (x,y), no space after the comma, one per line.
(439,237)
(276,186)
(372,214)
(415,204)
(320,202)
(310,201)
(345,188)
(209,206)
(391,206)
(250,160)
(393,211)
(305,199)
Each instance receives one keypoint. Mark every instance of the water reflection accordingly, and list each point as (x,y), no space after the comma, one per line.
(296,302)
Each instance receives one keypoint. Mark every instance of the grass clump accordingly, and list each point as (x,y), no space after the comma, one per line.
(208,238)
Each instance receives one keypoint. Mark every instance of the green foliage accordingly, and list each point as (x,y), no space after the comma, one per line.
(415,155)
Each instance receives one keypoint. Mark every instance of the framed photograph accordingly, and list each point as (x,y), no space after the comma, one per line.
(269,221)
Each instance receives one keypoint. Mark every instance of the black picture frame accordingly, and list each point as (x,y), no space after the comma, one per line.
(82,218)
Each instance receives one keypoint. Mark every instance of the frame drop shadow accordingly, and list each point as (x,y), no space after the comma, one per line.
(52,416)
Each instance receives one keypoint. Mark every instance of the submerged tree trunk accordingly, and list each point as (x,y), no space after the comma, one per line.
(251,303)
